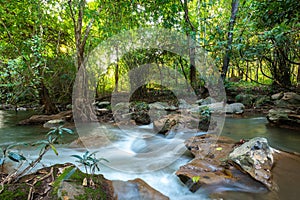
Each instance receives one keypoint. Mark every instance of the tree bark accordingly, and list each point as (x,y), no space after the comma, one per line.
(226,60)
(49,106)
(192,50)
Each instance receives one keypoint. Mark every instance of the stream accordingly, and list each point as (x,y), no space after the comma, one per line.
(138,154)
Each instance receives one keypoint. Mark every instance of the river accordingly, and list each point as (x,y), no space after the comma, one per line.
(137,160)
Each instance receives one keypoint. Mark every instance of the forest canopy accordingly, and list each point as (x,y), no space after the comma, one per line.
(43,43)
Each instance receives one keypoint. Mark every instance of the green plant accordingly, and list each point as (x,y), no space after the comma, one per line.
(53,136)
(90,162)
(195,179)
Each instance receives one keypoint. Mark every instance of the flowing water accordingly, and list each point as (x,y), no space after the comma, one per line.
(137,153)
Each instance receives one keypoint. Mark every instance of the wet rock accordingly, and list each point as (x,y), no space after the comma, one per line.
(180,122)
(54,123)
(41,119)
(285,118)
(235,108)
(136,189)
(256,158)
(210,153)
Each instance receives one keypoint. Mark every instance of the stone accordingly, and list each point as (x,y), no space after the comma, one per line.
(289,100)
(102,104)
(235,108)
(182,104)
(158,106)
(177,122)
(256,158)
(262,101)
(210,151)
(277,96)
(284,117)
(54,123)
(206,101)
(246,99)
(135,189)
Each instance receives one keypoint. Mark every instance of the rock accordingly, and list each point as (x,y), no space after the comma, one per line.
(54,123)
(171,108)
(246,99)
(210,152)
(262,101)
(277,96)
(41,119)
(291,97)
(182,104)
(235,108)
(177,122)
(102,104)
(289,100)
(206,101)
(285,118)
(256,158)
(158,106)
(135,189)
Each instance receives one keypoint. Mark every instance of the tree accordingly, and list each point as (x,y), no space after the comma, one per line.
(226,60)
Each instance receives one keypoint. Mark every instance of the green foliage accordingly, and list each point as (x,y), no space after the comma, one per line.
(90,161)
(195,179)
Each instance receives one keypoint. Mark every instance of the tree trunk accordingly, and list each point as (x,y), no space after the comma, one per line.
(226,60)
(45,100)
(117,73)
(192,49)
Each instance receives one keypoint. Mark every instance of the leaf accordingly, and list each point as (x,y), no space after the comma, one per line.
(219,148)
(68,130)
(15,157)
(77,156)
(195,179)
(54,149)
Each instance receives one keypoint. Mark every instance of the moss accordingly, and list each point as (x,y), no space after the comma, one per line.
(56,184)
(90,193)
(15,192)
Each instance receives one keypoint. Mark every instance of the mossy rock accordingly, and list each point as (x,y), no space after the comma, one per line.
(63,181)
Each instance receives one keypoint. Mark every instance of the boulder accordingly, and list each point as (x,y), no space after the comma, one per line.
(289,100)
(54,123)
(135,189)
(246,99)
(102,104)
(208,168)
(256,158)
(180,122)
(284,117)
(235,108)
(277,96)
(206,101)
(182,104)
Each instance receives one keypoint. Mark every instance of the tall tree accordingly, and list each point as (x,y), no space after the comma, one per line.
(226,59)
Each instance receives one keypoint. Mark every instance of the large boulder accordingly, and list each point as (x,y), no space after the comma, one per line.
(246,99)
(209,166)
(284,117)
(289,100)
(256,158)
(180,122)
(135,189)
(235,108)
